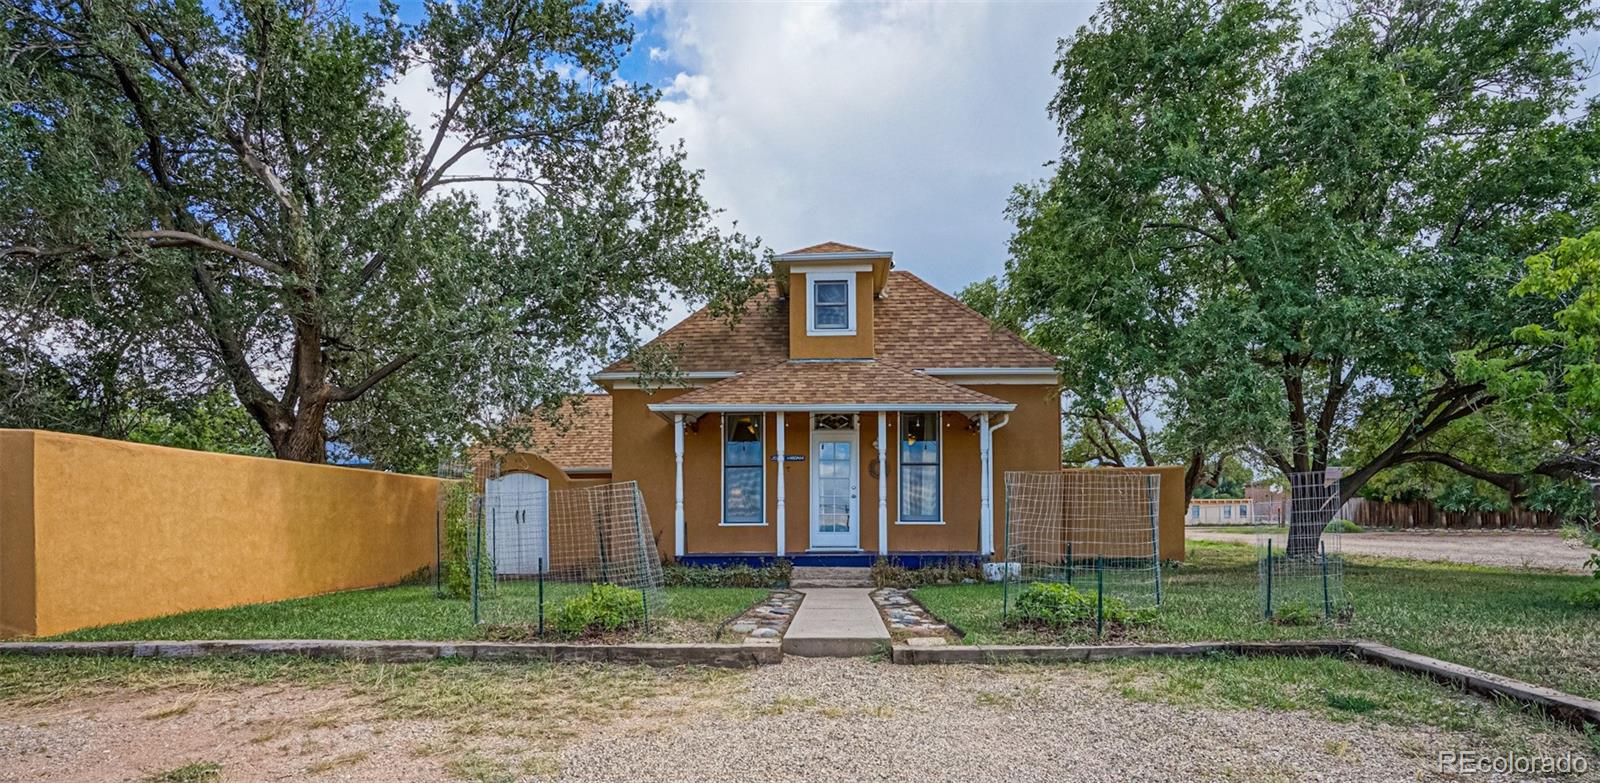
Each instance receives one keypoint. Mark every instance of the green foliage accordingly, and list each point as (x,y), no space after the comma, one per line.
(1295,613)
(1058,605)
(886,573)
(605,608)
(214,422)
(455,544)
(774,575)
(225,195)
(1270,221)
(1586,597)
(1343,526)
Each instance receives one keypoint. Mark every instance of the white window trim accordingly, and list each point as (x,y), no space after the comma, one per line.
(722,472)
(849,279)
(899,420)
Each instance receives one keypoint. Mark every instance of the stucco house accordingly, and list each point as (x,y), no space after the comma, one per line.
(853,411)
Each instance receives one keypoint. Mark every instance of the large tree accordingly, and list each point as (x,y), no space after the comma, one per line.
(1283,220)
(196,192)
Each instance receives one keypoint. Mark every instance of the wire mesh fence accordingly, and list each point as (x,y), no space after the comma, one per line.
(562,562)
(1300,571)
(1098,532)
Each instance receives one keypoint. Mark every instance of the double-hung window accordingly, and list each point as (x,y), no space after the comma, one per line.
(919,467)
(743,473)
(831,305)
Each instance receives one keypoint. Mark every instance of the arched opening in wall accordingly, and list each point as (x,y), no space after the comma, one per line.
(517,515)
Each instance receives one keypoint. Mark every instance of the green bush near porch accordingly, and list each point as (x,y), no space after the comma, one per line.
(1512,622)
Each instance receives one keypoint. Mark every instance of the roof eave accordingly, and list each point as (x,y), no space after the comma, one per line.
(669,407)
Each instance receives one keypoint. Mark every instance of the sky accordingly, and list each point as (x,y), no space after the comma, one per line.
(900,126)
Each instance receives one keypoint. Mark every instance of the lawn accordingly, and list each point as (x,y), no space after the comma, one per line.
(1515,623)
(413,612)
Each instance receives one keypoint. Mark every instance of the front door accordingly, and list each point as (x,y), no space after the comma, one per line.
(835,477)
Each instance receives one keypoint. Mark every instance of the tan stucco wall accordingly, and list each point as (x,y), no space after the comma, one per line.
(804,346)
(123,531)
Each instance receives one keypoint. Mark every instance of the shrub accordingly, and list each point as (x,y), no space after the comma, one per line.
(1059,605)
(774,575)
(1295,613)
(455,558)
(1343,526)
(885,573)
(604,608)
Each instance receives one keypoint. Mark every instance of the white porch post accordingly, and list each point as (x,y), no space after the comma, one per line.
(986,492)
(782,504)
(883,483)
(677,495)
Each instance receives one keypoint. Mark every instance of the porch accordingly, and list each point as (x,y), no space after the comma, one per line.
(833,464)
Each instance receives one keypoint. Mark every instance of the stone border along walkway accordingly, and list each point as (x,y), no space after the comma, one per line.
(768,619)
(909,620)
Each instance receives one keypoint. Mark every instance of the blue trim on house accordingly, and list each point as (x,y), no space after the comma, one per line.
(832,559)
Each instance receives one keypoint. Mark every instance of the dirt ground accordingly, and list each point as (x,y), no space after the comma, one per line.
(817,720)
(1544,550)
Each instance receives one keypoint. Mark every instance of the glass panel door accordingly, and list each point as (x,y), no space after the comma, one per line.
(835,474)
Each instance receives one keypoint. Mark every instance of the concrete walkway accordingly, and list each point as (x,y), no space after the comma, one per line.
(836,622)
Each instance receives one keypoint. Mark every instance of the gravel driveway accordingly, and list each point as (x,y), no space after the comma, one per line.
(1545,550)
(811,720)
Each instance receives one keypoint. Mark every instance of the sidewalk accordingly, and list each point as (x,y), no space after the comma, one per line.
(836,622)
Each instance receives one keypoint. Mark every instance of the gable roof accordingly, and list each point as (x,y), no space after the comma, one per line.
(843,383)
(915,325)
(829,247)
(583,437)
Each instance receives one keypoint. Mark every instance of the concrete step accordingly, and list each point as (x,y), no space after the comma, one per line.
(825,576)
(836,623)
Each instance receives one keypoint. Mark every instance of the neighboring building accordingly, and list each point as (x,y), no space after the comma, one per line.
(851,411)
(1221,511)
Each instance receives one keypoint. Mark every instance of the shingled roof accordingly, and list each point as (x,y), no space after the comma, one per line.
(583,437)
(916,326)
(815,383)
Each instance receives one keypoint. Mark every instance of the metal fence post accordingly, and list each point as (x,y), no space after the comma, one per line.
(1099,596)
(1268,613)
(1154,497)
(477,558)
(438,554)
(1327,600)
(1005,562)
(541,596)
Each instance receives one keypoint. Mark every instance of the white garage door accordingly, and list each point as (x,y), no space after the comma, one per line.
(518,509)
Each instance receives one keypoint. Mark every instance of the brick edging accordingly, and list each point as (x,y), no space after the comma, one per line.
(751,653)
(1575,710)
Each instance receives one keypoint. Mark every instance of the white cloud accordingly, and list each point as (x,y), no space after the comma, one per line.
(898,126)
(658,54)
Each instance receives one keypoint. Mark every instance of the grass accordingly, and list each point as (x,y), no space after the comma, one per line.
(194,772)
(1516,623)
(411,612)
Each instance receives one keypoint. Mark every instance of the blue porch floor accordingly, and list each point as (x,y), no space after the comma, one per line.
(831,559)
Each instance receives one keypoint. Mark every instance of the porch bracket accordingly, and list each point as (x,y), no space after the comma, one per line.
(677,496)
(883,483)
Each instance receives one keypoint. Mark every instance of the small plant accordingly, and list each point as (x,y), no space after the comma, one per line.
(1060,605)
(605,608)
(1586,597)
(886,573)
(1343,526)
(1359,705)
(774,575)
(1296,613)
(193,772)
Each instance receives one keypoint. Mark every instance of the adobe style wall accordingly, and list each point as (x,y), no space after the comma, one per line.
(96,531)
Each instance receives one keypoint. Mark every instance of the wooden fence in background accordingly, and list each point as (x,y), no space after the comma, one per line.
(1424,514)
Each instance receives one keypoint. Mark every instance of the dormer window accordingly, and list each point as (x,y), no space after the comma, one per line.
(830,308)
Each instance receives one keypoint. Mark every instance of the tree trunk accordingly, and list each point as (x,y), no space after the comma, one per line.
(1312,505)
(305,440)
